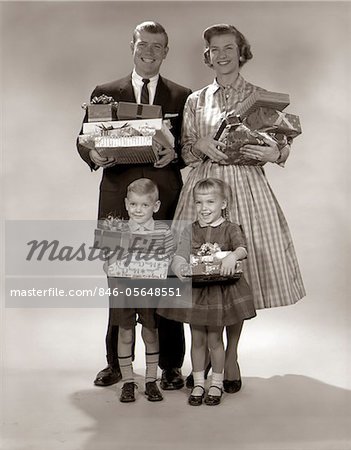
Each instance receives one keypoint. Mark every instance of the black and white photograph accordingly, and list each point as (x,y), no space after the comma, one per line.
(175,225)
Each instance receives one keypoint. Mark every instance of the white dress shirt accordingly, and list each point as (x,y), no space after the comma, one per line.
(137,83)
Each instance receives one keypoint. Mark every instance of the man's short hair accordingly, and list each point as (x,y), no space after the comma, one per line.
(150,27)
(144,186)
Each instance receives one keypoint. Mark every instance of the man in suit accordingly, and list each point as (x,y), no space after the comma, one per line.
(144,85)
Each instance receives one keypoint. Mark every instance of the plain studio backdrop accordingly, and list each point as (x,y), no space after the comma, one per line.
(295,360)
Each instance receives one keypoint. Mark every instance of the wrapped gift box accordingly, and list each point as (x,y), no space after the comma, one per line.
(236,134)
(122,238)
(236,138)
(164,136)
(140,266)
(127,150)
(207,268)
(271,120)
(87,141)
(111,240)
(230,121)
(274,100)
(97,128)
(101,112)
(127,110)
(134,255)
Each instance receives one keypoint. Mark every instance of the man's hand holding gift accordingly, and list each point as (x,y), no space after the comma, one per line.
(101,161)
(167,155)
(163,143)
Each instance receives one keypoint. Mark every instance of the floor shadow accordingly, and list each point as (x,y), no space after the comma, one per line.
(283,412)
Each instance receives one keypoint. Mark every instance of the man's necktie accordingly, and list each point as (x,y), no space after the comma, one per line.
(145,92)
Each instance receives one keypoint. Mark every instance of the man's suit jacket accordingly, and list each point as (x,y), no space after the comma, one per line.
(171,97)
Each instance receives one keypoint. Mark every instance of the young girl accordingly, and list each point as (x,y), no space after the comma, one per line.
(214,306)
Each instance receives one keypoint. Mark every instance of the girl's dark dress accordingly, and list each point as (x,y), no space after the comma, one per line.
(214,304)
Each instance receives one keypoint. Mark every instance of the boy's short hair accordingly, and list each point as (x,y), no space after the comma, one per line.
(144,186)
(209,185)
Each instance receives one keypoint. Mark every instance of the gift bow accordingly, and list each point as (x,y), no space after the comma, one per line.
(101,100)
(208,249)
(115,224)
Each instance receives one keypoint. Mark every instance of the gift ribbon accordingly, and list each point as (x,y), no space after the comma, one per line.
(281,119)
(139,112)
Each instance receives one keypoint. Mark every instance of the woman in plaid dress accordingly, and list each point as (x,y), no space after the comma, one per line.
(272,268)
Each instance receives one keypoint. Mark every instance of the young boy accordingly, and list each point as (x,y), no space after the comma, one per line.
(142,201)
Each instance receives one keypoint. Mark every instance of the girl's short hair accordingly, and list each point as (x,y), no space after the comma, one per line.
(144,186)
(223,28)
(209,185)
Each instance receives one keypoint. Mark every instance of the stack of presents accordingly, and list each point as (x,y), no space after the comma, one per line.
(259,116)
(126,131)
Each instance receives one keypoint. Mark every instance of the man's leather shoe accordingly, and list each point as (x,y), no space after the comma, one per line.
(171,379)
(127,394)
(152,392)
(232,386)
(108,376)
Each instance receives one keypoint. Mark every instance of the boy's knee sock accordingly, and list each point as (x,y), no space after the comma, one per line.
(151,366)
(125,364)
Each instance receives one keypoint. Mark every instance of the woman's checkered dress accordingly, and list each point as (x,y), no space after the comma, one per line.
(271,269)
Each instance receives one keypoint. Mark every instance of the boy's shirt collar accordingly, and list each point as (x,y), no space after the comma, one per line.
(147,226)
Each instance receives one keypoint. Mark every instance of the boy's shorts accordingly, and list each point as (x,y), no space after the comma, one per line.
(127,311)
(129,317)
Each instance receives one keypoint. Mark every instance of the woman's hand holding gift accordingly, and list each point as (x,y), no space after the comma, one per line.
(211,148)
(269,152)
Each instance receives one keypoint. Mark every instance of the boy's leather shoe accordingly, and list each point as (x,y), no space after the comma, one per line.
(108,376)
(152,392)
(171,379)
(127,394)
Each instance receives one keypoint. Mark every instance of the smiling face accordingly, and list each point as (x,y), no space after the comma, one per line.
(209,206)
(141,207)
(224,54)
(149,50)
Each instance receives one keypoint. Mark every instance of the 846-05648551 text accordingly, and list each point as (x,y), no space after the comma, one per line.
(97,291)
